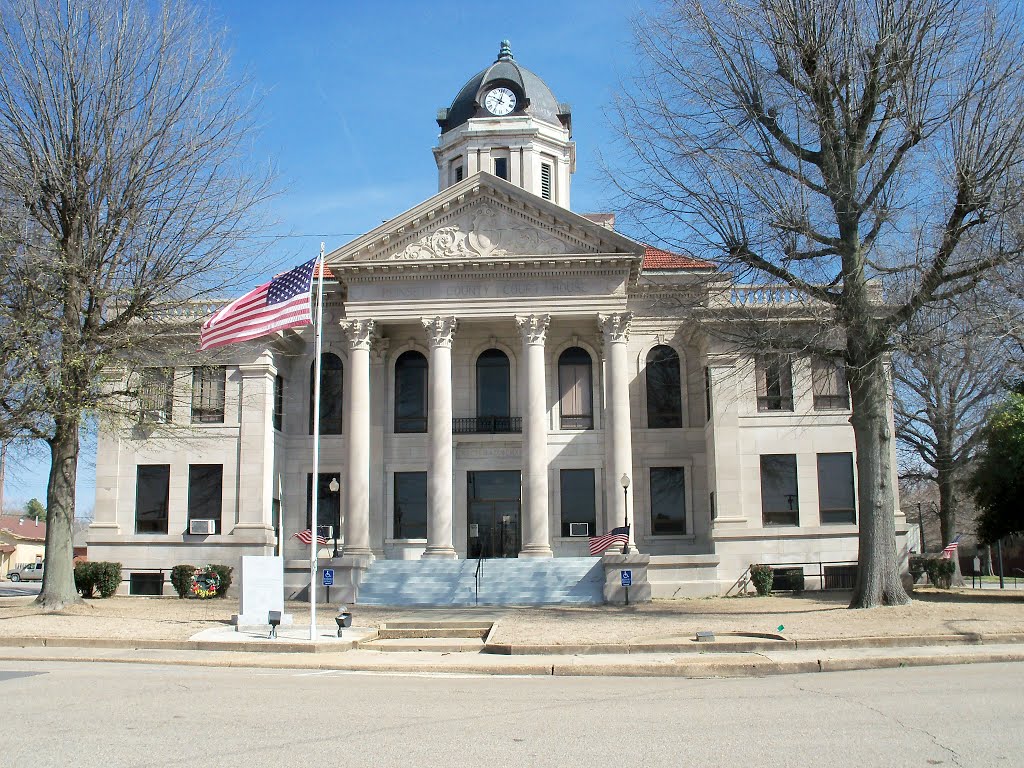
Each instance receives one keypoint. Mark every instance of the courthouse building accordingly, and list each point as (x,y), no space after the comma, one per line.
(495,369)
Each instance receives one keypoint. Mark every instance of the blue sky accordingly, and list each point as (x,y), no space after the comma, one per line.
(349,96)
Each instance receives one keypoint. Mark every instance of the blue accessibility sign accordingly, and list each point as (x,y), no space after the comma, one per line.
(328,577)
(627,578)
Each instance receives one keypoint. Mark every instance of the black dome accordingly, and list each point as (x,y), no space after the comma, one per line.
(535,98)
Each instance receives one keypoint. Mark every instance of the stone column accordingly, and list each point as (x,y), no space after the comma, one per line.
(255,454)
(439,423)
(617,422)
(536,538)
(356,421)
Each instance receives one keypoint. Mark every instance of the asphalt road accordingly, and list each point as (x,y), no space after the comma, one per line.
(19,588)
(113,715)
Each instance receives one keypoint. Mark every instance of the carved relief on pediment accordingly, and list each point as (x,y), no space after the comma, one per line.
(485,231)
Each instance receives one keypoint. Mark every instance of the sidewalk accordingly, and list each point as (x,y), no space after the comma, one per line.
(753,636)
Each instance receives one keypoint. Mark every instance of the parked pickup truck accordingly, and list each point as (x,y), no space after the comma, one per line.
(30,572)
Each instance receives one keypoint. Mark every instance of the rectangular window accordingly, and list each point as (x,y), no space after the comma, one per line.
(328,512)
(458,173)
(279,402)
(501,167)
(831,391)
(545,181)
(780,502)
(774,383)
(156,395)
(208,394)
(836,497)
(152,483)
(410,505)
(205,493)
(668,501)
(150,584)
(579,502)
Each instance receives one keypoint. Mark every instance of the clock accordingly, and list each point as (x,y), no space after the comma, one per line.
(500,101)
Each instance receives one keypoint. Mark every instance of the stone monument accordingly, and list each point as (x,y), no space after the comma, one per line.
(262,591)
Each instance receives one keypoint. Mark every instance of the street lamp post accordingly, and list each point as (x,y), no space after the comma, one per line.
(625,511)
(334,487)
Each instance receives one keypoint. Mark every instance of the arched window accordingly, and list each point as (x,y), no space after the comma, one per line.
(332,378)
(574,388)
(411,392)
(493,384)
(664,394)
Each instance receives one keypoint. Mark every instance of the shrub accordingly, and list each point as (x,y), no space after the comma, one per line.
(940,571)
(92,577)
(181,579)
(917,566)
(85,578)
(224,572)
(790,579)
(762,577)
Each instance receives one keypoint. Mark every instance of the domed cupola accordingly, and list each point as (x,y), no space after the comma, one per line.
(506,121)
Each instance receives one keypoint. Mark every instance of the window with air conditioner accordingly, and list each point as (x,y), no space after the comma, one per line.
(156,395)
(578,501)
(205,498)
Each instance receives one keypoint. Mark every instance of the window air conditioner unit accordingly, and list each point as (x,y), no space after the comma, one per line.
(579,529)
(154,416)
(202,527)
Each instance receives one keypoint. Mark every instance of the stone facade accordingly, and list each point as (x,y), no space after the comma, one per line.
(576,317)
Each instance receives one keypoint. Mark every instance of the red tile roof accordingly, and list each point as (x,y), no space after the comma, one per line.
(656,258)
(328,275)
(23,527)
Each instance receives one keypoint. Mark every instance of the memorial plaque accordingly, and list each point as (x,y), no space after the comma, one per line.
(262,590)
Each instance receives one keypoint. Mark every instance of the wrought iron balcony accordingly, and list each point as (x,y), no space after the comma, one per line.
(487,425)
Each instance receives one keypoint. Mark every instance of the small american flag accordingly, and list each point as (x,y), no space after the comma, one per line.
(950,550)
(306,537)
(282,303)
(599,544)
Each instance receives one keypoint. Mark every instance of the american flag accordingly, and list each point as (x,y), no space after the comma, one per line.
(598,544)
(281,303)
(950,550)
(306,537)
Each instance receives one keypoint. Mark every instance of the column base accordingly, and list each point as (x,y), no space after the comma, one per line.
(535,550)
(439,553)
(363,553)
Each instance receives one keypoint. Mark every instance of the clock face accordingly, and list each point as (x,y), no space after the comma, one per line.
(500,101)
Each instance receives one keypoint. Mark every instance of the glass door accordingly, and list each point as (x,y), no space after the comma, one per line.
(493,514)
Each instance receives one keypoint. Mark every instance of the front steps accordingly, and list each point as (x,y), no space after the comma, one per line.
(521,581)
(453,636)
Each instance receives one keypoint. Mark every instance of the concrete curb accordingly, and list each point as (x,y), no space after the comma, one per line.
(753,646)
(577,667)
(244,646)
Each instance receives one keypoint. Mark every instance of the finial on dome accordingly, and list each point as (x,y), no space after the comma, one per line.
(505,54)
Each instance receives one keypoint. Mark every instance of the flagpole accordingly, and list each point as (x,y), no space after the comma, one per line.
(315,492)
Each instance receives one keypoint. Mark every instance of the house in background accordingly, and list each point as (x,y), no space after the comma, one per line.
(501,378)
(22,541)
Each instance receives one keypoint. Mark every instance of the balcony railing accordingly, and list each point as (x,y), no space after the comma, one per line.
(487,425)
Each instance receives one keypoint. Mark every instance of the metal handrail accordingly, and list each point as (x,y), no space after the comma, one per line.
(477,575)
(820,575)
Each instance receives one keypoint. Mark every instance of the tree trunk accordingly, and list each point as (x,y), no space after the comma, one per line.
(58,588)
(878,577)
(947,511)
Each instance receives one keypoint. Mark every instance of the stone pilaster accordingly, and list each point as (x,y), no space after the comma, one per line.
(256,454)
(356,420)
(440,331)
(536,536)
(615,328)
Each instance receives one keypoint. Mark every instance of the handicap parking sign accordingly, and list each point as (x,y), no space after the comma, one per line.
(328,577)
(627,578)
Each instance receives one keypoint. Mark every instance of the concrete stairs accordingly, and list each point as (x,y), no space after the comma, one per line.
(521,581)
(455,636)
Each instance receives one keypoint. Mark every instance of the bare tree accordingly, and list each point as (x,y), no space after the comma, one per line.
(123,137)
(848,150)
(948,371)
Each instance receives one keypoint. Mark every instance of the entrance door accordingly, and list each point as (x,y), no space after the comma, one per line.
(493,512)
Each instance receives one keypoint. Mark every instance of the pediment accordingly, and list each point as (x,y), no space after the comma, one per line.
(483,218)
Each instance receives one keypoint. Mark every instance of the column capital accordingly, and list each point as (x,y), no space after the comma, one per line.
(533,328)
(360,332)
(615,327)
(440,330)
(379,348)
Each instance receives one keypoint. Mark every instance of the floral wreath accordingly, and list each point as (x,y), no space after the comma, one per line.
(205,582)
